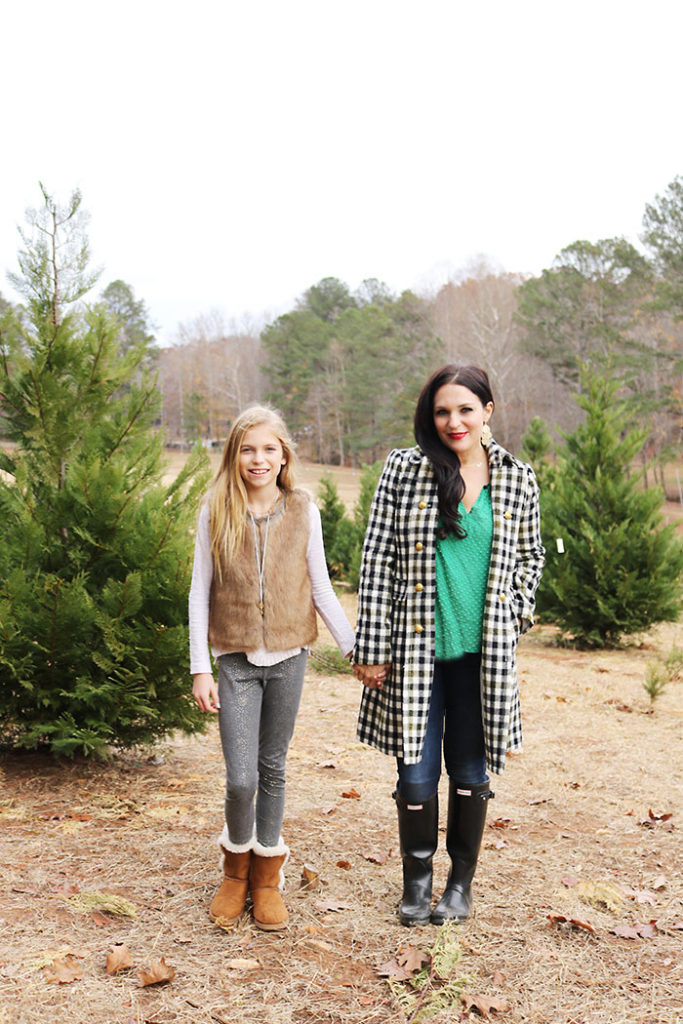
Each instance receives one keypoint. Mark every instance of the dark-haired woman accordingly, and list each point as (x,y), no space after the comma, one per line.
(451,562)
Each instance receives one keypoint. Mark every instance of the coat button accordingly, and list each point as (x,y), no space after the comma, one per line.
(419,628)
(508,515)
(502,597)
(423,504)
(419,546)
(419,587)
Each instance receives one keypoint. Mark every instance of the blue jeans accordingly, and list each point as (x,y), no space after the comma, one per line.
(455,717)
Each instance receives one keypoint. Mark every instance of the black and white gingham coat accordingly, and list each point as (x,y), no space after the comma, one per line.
(397,596)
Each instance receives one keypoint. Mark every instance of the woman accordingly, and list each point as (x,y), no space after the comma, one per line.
(259,577)
(451,562)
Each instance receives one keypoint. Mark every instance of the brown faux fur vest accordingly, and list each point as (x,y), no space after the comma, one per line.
(288,620)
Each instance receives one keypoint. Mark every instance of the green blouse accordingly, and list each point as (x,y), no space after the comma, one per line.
(462,568)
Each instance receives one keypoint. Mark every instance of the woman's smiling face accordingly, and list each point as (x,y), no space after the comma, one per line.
(459,417)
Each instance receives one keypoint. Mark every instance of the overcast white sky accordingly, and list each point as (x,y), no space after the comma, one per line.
(231,154)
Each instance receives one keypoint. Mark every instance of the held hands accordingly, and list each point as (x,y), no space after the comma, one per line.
(371,676)
(205,692)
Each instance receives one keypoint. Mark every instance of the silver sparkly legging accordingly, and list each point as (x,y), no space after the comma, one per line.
(258,709)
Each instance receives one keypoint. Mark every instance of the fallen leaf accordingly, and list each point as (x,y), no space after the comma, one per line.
(498,978)
(242,964)
(118,959)
(326,764)
(374,857)
(394,971)
(345,864)
(100,920)
(226,924)
(569,880)
(411,958)
(652,818)
(647,930)
(484,1005)
(641,896)
(351,794)
(159,972)
(619,705)
(331,906)
(573,922)
(63,970)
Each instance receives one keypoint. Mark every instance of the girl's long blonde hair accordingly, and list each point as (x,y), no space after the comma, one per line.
(227,496)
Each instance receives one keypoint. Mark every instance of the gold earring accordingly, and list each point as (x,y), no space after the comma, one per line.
(486,435)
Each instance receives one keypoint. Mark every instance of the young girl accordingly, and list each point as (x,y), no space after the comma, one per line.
(259,576)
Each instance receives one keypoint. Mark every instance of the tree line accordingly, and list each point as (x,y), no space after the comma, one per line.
(345,366)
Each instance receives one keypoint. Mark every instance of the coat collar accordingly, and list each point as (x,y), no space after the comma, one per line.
(497,455)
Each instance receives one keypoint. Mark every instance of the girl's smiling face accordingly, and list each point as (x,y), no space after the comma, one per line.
(459,416)
(261,459)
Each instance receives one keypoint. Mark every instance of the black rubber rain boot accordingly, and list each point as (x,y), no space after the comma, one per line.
(418,828)
(466,819)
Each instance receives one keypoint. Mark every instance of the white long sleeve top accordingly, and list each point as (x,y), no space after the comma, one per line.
(325,600)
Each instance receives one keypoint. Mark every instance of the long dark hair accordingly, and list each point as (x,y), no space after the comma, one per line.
(445,463)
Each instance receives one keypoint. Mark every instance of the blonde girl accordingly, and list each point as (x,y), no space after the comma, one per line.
(259,577)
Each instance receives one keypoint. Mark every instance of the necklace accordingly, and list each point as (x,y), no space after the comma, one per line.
(260,556)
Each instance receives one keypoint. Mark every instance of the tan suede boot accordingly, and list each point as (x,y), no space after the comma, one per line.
(227,905)
(266,879)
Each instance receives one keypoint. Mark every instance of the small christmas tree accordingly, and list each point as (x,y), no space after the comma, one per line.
(96,552)
(620,569)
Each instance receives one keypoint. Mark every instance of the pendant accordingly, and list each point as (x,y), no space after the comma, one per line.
(260,607)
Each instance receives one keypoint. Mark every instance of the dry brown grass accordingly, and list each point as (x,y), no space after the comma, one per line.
(566,826)
(568,810)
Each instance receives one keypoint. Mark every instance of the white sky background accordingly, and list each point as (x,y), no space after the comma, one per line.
(233,154)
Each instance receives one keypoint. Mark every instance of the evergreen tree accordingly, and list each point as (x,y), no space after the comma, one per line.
(621,568)
(369,478)
(663,236)
(536,449)
(96,555)
(131,315)
(333,517)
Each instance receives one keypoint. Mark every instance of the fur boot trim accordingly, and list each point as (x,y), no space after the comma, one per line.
(271,851)
(227,844)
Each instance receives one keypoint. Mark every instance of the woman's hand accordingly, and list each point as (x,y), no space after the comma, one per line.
(371,676)
(205,692)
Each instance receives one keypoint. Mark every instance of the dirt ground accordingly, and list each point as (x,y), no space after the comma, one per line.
(578,912)
(579,815)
